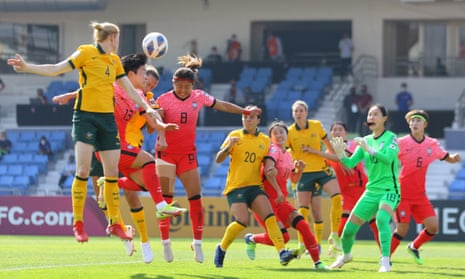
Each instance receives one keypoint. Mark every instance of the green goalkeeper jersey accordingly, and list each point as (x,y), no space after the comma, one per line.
(382,167)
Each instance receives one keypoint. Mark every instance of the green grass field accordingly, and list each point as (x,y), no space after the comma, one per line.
(104,257)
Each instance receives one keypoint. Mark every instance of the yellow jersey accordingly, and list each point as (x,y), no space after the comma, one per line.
(97,72)
(311,136)
(134,135)
(246,157)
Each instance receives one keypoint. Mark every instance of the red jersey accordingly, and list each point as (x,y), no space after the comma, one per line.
(352,185)
(125,108)
(185,113)
(415,158)
(284,165)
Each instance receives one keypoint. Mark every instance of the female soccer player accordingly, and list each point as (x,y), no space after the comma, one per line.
(382,194)
(306,136)
(417,152)
(182,106)
(136,165)
(93,121)
(279,168)
(247,148)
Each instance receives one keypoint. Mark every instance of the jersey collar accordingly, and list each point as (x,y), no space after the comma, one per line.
(298,128)
(100,49)
(247,132)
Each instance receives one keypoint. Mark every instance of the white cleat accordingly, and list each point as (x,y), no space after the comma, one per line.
(167,252)
(385,265)
(198,253)
(341,260)
(129,244)
(147,254)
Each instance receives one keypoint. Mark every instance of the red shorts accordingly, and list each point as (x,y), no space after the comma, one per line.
(419,208)
(282,212)
(349,201)
(126,159)
(183,161)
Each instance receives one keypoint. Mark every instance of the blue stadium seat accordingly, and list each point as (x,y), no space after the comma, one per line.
(21,182)
(205,148)
(15,169)
(460,175)
(57,135)
(32,147)
(204,160)
(18,147)
(28,136)
(6,180)
(222,171)
(13,135)
(3,169)
(26,158)
(33,172)
(457,190)
(11,158)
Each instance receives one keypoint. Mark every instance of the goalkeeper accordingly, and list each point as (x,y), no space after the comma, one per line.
(382,194)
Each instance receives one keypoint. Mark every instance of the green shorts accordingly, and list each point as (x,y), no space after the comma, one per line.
(313,181)
(245,195)
(97,129)
(370,202)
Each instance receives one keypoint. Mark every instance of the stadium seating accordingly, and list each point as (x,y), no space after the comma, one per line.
(457,190)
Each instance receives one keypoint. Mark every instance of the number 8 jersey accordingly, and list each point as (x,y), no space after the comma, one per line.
(185,113)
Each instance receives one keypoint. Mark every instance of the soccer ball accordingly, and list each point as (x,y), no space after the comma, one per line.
(155,45)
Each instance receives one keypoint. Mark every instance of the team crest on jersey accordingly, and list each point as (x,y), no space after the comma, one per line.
(194,105)
(89,135)
(261,146)
(274,149)
(429,151)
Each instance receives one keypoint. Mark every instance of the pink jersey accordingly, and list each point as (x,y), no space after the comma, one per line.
(284,164)
(185,113)
(125,108)
(415,158)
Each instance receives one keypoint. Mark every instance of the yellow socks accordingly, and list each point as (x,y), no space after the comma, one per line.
(78,197)
(335,212)
(274,232)
(138,217)
(111,192)
(231,233)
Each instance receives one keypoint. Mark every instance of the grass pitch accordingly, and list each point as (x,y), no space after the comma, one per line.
(104,257)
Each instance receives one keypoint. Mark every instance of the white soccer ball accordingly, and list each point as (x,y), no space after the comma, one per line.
(155,45)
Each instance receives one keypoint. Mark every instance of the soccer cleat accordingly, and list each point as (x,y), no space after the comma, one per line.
(100,194)
(385,265)
(147,254)
(117,230)
(219,256)
(341,260)
(79,232)
(334,245)
(198,253)
(415,254)
(299,251)
(129,244)
(286,255)
(170,210)
(250,246)
(322,266)
(167,252)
